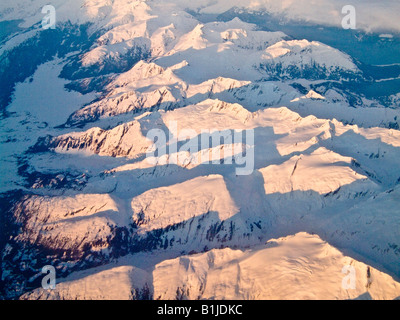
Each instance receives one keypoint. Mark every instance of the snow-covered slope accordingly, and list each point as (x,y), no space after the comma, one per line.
(125,140)
(83,192)
(294,267)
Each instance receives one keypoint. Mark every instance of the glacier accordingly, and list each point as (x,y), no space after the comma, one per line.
(78,192)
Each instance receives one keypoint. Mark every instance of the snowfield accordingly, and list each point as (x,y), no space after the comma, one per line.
(301,266)
(320,193)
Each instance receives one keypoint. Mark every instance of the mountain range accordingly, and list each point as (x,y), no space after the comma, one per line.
(78,191)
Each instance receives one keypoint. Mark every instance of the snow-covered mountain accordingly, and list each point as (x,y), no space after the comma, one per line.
(285,268)
(79,190)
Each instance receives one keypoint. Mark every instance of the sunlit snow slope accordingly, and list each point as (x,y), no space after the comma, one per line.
(80,193)
(295,267)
